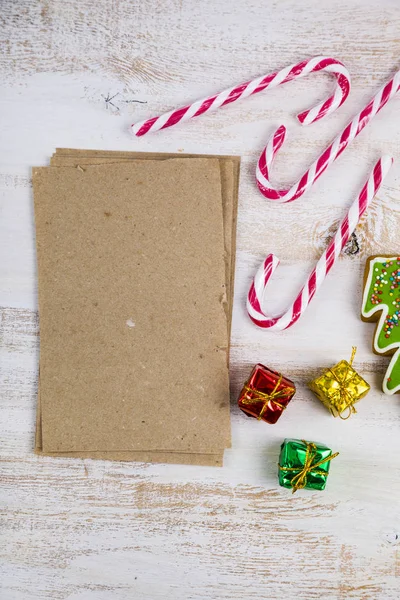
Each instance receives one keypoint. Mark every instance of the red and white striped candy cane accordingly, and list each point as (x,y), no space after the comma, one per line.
(323,266)
(336,148)
(319,63)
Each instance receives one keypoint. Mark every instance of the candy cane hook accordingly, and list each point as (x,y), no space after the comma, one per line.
(319,63)
(323,266)
(336,148)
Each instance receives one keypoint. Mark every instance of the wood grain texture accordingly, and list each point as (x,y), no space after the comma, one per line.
(81,530)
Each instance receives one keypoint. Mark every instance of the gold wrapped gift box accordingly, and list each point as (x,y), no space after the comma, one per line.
(339,388)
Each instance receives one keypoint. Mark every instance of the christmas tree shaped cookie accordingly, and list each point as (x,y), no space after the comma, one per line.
(381,302)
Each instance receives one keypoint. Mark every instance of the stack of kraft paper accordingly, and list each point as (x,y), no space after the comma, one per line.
(136,256)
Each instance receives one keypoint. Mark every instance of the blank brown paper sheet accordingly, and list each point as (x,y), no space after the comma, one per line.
(135,254)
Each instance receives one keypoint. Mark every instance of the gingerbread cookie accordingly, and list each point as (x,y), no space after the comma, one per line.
(381,302)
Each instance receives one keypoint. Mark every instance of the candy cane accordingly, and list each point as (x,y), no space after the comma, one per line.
(336,148)
(323,266)
(319,63)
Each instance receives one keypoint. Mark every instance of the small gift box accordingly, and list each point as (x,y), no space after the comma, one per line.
(340,387)
(266,394)
(304,465)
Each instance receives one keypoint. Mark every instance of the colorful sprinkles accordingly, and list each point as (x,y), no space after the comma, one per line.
(387,279)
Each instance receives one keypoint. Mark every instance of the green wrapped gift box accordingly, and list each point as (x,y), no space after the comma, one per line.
(304,464)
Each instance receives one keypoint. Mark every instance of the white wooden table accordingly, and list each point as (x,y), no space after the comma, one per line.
(92,530)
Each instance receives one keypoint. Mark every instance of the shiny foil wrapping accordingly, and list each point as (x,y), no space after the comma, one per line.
(292,460)
(266,394)
(339,388)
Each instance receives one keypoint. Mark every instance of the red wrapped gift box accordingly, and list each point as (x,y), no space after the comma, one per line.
(266,394)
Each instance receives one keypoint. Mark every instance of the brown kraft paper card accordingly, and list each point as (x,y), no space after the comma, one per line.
(230,167)
(229,180)
(91,416)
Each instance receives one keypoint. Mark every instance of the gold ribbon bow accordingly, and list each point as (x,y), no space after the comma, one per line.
(345,397)
(266,398)
(299,481)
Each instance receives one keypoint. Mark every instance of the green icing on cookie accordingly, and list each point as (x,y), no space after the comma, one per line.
(382,297)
